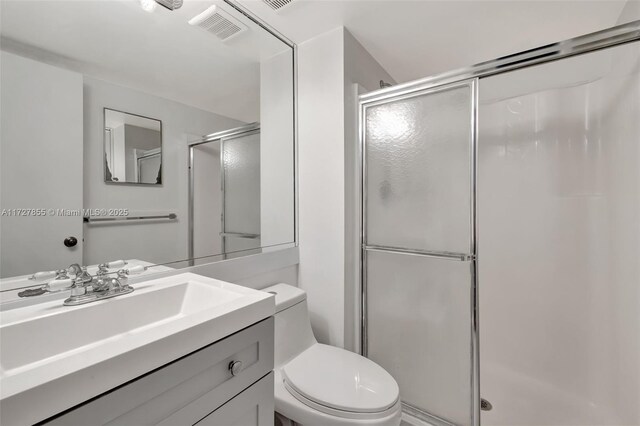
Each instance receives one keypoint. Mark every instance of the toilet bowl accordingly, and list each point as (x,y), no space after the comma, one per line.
(322,385)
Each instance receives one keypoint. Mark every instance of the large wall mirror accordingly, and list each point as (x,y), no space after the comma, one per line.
(133,132)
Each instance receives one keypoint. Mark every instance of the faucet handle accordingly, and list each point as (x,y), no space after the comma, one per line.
(82,274)
(30,292)
(103,268)
(103,284)
(44,275)
(138,269)
(78,288)
(135,270)
(59,285)
(62,274)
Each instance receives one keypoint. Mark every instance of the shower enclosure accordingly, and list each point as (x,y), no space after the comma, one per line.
(500,274)
(224,193)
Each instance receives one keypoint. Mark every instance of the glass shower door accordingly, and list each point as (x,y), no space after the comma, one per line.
(206,200)
(418,245)
(241,192)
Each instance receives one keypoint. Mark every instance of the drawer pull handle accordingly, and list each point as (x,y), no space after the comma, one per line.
(235,367)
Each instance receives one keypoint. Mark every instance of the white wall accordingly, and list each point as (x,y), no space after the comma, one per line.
(255,271)
(630,12)
(41,152)
(362,74)
(327,67)
(321,182)
(154,242)
(621,289)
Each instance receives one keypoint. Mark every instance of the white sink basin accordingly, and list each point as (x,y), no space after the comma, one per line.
(100,345)
(55,332)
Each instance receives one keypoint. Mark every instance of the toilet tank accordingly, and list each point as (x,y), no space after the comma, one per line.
(293,332)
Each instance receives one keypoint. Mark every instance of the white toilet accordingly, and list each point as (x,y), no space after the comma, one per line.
(321,385)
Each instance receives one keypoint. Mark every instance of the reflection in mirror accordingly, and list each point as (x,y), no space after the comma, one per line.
(225,183)
(132,148)
(100,93)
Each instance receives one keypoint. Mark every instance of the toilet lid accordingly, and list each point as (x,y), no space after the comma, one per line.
(341,380)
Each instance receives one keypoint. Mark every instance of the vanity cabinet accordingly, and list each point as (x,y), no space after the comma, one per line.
(254,406)
(199,388)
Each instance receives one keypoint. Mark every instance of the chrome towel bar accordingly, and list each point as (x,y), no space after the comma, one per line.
(90,219)
(240,235)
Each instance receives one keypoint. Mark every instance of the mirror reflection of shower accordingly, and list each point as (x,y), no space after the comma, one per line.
(224,193)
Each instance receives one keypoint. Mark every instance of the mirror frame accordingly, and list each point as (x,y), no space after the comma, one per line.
(104,150)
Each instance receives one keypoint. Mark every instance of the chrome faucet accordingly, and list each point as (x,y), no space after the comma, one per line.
(101,288)
(80,272)
(84,288)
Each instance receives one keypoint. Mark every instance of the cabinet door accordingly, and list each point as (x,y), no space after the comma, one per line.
(254,406)
(186,390)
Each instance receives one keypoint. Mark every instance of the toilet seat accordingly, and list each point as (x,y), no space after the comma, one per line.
(340,383)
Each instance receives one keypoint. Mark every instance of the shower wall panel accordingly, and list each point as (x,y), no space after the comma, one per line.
(559,241)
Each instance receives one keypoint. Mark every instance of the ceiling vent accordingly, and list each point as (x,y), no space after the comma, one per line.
(170,4)
(277,4)
(219,23)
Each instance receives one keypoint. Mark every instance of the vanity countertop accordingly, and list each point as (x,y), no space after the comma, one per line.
(54,357)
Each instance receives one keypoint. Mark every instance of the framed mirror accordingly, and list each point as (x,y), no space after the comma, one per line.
(132,148)
(120,99)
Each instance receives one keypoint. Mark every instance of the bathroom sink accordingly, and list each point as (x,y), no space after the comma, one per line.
(56,331)
(92,348)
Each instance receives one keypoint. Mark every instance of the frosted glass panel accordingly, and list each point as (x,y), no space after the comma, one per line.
(559,243)
(419,329)
(241,162)
(207,200)
(418,171)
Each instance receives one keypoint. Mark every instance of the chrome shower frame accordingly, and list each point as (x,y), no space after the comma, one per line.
(612,37)
(214,137)
(469,256)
